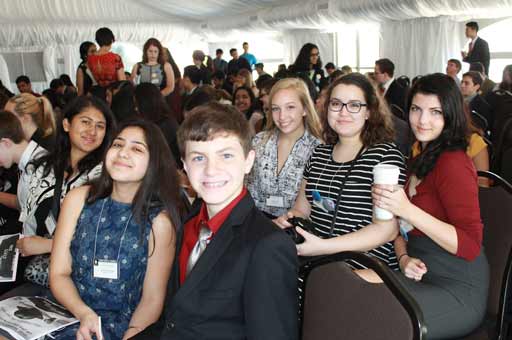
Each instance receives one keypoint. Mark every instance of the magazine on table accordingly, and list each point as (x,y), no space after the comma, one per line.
(9,255)
(29,318)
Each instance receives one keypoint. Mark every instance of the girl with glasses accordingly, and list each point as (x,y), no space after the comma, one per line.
(358,134)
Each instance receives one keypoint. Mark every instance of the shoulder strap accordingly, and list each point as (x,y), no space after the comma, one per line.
(338,198)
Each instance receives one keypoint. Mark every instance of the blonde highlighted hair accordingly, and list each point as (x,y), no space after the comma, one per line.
(40,109)
(311,120)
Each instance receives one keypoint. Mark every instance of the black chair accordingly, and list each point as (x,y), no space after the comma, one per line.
(502,153)
(404,81)
(480,121)
(398,112)
(338,304)
(490,149)
(496,213)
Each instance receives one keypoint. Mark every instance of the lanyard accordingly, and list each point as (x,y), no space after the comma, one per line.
(96,235)
(338,198)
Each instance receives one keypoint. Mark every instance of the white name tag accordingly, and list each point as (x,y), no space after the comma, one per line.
(106,269)
(275,201)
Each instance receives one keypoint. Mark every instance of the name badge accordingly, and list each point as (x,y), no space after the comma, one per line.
(106,269)
(275,201)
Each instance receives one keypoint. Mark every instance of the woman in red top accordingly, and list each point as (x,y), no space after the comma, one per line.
(106,67)
(443,263)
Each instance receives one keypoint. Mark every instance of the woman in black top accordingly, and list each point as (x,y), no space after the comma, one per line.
(84,81)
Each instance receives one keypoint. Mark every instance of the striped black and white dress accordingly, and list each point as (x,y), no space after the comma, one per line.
(325,175)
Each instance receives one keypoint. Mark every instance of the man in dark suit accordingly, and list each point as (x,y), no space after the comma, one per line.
(394,92)
(237,63)
(193,94)
(235,272)
(478,47)
(470,86)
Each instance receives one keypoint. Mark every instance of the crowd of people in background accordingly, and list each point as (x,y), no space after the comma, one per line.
(103,174)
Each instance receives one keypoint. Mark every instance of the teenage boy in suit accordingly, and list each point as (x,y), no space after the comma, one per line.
(235,273)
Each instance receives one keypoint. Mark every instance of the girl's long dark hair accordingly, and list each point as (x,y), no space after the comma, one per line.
(159,186)
(59,159)
(455,130)
(302,63)
(151,104)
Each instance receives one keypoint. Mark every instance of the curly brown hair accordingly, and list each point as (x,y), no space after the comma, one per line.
(378,127)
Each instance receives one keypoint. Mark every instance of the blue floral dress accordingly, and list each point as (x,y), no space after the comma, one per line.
(113,300)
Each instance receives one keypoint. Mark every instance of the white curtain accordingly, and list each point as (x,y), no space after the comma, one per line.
(422,46)
(4,74)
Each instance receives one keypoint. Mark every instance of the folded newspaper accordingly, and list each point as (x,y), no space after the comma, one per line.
(8,257)
(28,318)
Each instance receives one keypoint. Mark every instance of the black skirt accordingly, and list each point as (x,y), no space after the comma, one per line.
(452,294)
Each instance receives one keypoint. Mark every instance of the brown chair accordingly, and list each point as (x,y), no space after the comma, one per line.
(338,304)
(496,213)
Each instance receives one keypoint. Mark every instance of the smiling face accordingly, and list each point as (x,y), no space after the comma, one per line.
(344,123)
(426,117)
(128,158)
(86,130)
(288,112)
(152,53)
(216,169)
(242,100)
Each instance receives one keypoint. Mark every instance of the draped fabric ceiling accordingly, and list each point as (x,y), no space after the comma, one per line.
(39,22)
(408,27)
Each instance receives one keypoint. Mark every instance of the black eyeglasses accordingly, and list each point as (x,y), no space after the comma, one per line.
(352,106)
(314,54)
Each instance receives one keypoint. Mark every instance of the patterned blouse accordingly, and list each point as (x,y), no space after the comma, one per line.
(274,193)
(104,67)
(38,196)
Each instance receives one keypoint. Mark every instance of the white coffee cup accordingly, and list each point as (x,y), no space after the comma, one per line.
(384,174)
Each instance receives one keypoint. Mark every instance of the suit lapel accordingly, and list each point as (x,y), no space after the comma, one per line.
(215,250)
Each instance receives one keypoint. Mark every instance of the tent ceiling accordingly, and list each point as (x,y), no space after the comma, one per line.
(211,9)
(242,14)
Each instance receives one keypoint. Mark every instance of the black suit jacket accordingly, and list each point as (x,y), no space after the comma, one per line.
(396,94)
(244,286)
(238,64)
(480,52)
(196,98)
(480,105)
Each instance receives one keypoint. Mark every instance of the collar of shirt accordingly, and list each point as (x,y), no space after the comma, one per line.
(192,91)
(387,84)
(216,221)
(468,99)
(27,155)
(192,227)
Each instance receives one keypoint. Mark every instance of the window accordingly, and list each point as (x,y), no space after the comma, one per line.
(25,63)
(358,46)
(497,35)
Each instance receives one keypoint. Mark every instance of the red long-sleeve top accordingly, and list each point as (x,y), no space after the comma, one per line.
(450,193)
